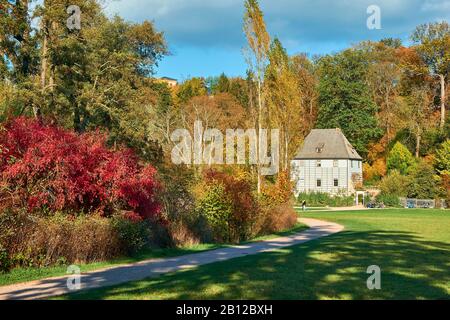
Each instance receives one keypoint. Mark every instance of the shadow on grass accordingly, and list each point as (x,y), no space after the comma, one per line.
(330,268)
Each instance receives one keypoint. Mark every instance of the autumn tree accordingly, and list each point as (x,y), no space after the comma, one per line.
(257,54)
(221,112)
(96,76)
(416,108)
(284,100)
(400,159)
(305,71)
(190,88)
(433,45)
(383,76)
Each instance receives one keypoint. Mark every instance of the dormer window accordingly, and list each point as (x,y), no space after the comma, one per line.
(320,147)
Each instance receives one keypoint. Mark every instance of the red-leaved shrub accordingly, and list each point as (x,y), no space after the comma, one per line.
(44,167)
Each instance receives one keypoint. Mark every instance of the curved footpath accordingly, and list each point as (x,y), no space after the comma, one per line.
(42,289)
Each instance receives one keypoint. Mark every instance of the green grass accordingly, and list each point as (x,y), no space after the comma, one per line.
(19,275)
(313,209)
(412,248)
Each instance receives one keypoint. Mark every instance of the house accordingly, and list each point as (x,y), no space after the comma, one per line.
(327,163)
(169,81)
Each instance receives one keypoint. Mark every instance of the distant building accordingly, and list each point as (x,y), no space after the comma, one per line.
(327,163)
(170,82)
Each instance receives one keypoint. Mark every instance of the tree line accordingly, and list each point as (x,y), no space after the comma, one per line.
(102,76)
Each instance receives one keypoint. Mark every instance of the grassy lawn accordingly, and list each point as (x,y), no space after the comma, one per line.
(29,274)
(313,209)
(412,248)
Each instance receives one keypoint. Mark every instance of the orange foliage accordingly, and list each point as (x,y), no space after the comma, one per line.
(280,192)
(375,171)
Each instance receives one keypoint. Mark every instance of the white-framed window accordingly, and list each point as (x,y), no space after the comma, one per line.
(336,182)
(319,183)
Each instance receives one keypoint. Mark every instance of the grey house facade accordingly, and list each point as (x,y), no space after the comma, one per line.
(327,163)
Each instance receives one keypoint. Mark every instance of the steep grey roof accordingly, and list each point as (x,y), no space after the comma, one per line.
(327,144)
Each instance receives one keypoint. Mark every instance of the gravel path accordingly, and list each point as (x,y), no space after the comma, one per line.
(42,289)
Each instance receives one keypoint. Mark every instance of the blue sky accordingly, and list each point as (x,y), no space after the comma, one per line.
(206,38)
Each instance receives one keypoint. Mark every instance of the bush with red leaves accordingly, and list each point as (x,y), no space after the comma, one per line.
(44,167)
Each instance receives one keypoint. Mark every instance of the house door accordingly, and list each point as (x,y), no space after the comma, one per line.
(360,198)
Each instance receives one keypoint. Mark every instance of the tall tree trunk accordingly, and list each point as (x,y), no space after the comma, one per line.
(418,142)
(442,80)
(44,63)
(286,154)
(260,117)
(44,66)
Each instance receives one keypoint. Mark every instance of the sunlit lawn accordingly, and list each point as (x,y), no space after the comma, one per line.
(412,248)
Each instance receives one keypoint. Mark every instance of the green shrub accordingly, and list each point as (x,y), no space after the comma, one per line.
(5,262)
(133,235)
(442,161)
(400,158)
(395,184)
(424,182)
(389,200)
(321,199)
(217,211)
(228,204)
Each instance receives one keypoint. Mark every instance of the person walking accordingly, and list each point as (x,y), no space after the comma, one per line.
(304,205)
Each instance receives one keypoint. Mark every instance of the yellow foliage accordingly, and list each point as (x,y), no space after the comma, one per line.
(375,171)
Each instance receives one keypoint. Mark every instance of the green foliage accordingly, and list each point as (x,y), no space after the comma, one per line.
(322,199)
(97,77)
(18,41)
(133,235)
(217,211)
(433,41)
(193,87)
(395,184)
(401,159)
(345,100)
(389,200)
(222,85)
(424,182)
(442,159)
(231,209)
(392,42)
(5,261)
